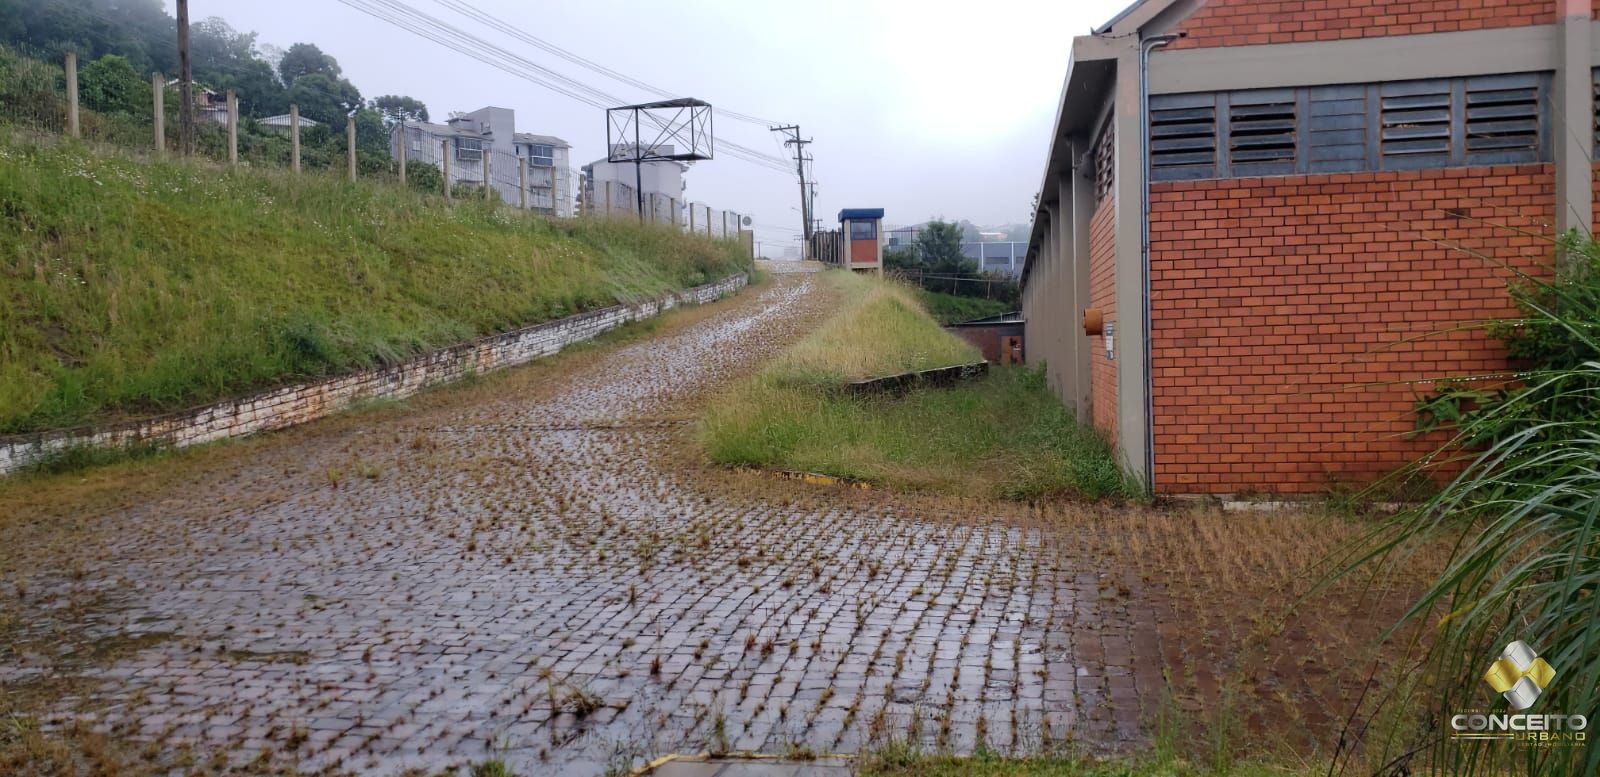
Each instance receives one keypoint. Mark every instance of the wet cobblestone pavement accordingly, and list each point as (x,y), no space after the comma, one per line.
(548,577)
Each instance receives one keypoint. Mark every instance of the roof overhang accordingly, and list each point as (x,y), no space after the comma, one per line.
(1091,77)
(860,214)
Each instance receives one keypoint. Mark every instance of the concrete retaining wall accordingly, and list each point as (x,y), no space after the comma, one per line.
(298,404)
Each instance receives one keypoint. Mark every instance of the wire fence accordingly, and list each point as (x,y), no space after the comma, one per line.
(106,101)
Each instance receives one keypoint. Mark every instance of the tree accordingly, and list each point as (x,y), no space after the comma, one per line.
(305,59)
(371,132)
(398,108)
(325,99)
(939,247)
(226,59)
(111,85)
(137,29)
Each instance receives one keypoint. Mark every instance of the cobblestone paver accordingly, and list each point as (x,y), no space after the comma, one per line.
(549,579)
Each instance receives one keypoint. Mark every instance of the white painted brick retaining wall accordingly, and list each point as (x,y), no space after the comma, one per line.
(298,404)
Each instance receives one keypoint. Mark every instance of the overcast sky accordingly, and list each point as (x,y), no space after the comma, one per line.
(924,108)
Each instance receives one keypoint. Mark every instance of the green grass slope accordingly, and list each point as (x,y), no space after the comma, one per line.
(1002,436)
(130,286)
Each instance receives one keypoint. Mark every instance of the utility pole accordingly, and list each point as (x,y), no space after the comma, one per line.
(792,138)
(185,83)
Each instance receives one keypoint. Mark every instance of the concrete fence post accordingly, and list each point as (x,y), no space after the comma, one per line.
(522,181)
(350,145)
(404,152)
(72,93)
(294,138)
(488,182)
(158,85)
(691,218)
(444,165)
(233,128)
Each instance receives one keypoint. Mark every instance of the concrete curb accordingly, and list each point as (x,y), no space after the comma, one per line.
(939,376)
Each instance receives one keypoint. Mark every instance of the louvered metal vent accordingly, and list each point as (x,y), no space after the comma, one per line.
(1261,133)
(1183,137)
(1105,162)
(1415,118)
(1503,121)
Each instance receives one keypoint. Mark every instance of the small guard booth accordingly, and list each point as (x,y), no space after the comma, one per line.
(862,229)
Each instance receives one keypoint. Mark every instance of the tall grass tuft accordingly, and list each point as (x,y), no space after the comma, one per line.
(1003,436)
(1524,516)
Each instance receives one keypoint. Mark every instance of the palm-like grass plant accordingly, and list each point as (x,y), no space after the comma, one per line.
(1524,519)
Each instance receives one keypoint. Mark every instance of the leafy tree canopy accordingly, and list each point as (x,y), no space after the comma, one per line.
(325,99)
(397,108)
(305,59)
(939,246)
(111,85)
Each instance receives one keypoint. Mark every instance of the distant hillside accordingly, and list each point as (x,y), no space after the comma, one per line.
(133,287)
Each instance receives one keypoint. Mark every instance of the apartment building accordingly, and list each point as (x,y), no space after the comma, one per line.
(1265,228)
(465,142)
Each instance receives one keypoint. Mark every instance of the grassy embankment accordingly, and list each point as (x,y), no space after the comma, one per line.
(951,309)
(1004,435)
(134,286)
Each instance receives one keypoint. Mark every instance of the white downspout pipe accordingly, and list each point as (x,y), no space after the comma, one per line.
(1145,47)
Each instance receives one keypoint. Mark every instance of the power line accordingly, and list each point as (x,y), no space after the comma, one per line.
(487,19)
(421,24)
(606,100)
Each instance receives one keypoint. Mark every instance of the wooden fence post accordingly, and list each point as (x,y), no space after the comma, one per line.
(159,100)
(72,93)
(350,144)
(294,137)
(488,183)
(233,128)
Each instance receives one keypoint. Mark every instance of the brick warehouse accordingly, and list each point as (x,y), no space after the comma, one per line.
(1306,204)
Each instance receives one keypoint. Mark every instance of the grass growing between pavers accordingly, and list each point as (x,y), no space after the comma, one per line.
(1004,435)
(136,286)
(895,763)
(951,309)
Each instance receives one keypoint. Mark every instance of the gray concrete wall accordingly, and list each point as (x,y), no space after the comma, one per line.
(298,404)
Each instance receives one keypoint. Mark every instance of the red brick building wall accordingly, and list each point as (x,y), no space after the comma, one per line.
(1285,310)
(1103,295)
(1251,22)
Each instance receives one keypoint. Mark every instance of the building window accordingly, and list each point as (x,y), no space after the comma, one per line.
(863,230)
(416,140)
(469,150)
(1399,125)
(541,155)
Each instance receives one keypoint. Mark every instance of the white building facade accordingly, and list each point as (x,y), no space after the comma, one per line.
(483,148)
